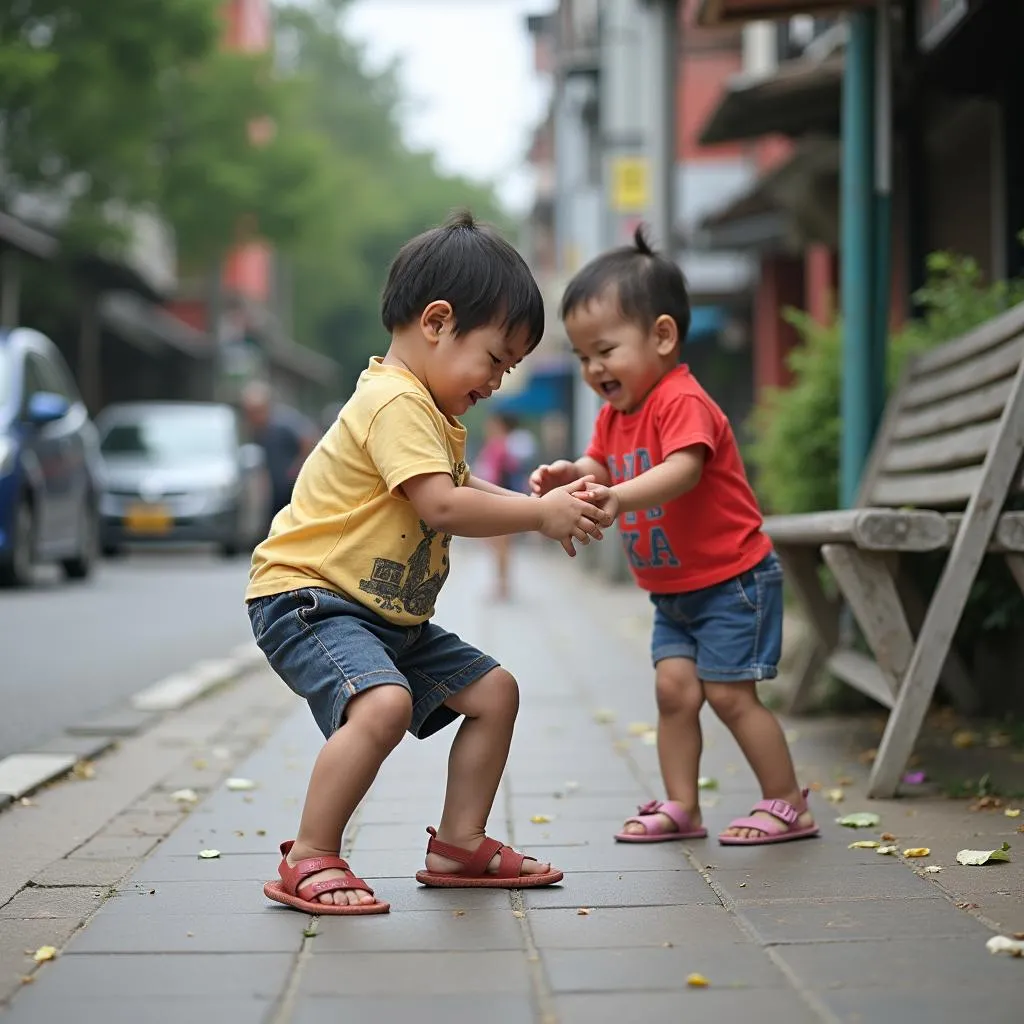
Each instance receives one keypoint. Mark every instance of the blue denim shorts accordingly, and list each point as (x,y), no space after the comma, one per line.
(328,649)
(733,630)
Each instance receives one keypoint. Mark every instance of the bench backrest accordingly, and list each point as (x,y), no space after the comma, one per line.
(942,420)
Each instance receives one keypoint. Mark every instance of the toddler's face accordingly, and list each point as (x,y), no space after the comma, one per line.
(468,368)
(620,361)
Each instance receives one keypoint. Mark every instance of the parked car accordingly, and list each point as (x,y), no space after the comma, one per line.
(179,472)
(49,462)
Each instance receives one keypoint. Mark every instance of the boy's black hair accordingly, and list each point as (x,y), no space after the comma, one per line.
(471,266)
(647,285)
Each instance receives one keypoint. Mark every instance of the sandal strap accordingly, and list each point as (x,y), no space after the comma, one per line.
(307,890)
(475,861)
(781,809)
(293,877)
(511,863)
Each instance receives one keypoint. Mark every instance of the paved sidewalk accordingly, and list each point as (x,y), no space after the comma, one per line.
(801,932)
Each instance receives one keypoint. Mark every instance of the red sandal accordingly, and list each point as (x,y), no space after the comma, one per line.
(287,890)
(476,876)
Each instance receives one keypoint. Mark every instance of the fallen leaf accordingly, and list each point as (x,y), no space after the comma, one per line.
(199,764)
(458,913)
(239,785)
(859,819)
(583,912)
(864,844)
(1001,944)
(966,906)
(190,935)
(261,831)
(603,716)
(209,854)
(697,981)
(309,933)
(704,782)
(667,945)
(917,851)
(964,738)
(44,953)
(932,869)
(1017,935)
(1012,812)
(639,728)
(83,770)
(27,979)
(815,787)
(888,837)
(835,796)
(518,913)
(743,885)
(887,851)
(914,778)
(541,819)
(185,796)
(975,858)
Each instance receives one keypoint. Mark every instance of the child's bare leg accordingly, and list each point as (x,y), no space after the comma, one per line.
(375,722)
(475,765)
(680,697)
(761,739)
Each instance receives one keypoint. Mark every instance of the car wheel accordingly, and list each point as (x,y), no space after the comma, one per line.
(17,570)
(81,566)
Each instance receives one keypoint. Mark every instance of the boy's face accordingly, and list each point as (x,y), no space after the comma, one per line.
(467,368)
(620,360)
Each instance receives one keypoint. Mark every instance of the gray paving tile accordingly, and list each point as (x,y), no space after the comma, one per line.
(424,931)
(694,1006)
(403,836)
(441,1009)
(935,1003)
(37,1007)
(155,977)
(83,747)
(249,867)
(861,919)
(774,881)
(407,894)
(610,856)
(644,969)
(798,854)
(84,872)
(220,833)
(621,927)
(115,722)
(141,823)
(197,932)
(901,964)
(36,902)
(19,941)
(207,897)
(625,889)
(416,974)
(115,848)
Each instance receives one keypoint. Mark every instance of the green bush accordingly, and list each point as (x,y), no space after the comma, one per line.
(795,431)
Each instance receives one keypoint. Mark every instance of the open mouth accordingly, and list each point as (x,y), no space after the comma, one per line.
(476,396)
(610,388)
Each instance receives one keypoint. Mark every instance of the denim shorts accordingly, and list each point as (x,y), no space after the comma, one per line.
(733,630)
(328,649)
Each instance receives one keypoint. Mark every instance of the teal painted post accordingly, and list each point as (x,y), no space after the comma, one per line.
(882,210)
(857,252)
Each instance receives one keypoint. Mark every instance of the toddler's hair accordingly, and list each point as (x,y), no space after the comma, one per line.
(471,266)
(646,285)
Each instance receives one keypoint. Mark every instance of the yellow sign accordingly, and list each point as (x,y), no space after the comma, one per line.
(629,184)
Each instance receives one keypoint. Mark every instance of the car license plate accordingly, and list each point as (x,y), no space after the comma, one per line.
(148,519)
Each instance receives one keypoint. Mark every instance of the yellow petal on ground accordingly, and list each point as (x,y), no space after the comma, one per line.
(209,854)
(240,785)
(887,851)
(185,796)
(917,851)
(541,819)
(583,912)
(44,953)
(83,770)
(964,738)
(835,796)
(519,913)
(199,764)
(1012,812)
(864,844)
(458,913)
(697,981)
(639,728)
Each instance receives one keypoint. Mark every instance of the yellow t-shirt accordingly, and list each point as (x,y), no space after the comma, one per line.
(349,528)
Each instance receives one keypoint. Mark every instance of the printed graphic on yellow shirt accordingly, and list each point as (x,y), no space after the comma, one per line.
(410,587)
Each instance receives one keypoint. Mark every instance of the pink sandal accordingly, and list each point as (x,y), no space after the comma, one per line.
(656,829)
(780,830)
(288,890)
(476,876)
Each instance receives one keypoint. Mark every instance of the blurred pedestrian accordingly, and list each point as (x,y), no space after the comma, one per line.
(285,435)
(496,463)
(341,594)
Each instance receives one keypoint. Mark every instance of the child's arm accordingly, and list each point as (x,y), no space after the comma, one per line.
(485,485)
(564,514)
(679,473)
(562,472)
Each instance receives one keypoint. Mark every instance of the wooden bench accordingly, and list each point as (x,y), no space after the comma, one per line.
(946,460)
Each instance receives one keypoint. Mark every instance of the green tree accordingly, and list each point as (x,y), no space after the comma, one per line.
(382,193)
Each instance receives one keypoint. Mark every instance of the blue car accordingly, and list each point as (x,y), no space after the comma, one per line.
(49,463)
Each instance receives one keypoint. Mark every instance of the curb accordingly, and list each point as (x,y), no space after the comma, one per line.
(22,774)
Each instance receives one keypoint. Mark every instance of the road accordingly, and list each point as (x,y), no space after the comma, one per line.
(69,651)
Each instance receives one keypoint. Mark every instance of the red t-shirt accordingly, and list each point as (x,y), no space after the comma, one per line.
(701,538)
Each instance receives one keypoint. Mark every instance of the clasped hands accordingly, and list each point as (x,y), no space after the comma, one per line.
(576,507)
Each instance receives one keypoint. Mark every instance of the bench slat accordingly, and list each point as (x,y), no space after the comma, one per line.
(927,490)
(872,529)
(989,334)
(984,404)
(862,673)
(964,377)
(967,446)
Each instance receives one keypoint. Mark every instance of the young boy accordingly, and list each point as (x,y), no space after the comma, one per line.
(341,593)
(669,468)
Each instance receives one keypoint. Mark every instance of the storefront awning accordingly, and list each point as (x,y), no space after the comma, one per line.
(724,12)
(801,97)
